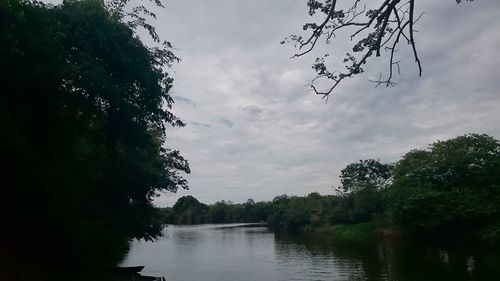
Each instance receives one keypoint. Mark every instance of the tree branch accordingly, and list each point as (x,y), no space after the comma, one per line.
(382,26)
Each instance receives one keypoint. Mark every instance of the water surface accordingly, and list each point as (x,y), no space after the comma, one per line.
(252,253)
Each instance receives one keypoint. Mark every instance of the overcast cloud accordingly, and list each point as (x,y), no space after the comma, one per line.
(256,131)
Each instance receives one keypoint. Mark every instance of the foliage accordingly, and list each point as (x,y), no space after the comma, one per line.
(187,208)
(357,232)
(363,185)
(83,109)
(365,175)
(452,185)
(289,213)
(375,26)
(491,233)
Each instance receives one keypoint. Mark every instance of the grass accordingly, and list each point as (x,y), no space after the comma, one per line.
(361,231)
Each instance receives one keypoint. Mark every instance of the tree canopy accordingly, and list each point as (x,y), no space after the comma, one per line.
(84,110)
(453,184)
(365,175)
(372,26)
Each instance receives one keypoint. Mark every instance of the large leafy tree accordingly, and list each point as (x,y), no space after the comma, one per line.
(84,109)
(373,27)
(363,186)
(188,210)
(453,185)
(365,175)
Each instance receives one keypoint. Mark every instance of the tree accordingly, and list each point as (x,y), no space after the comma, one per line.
(188,210)
(84,109)
(452,185)
(363,188)
(365,175)
(380,25)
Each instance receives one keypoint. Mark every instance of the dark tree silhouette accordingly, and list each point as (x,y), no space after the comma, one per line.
(376,25)
(84,109)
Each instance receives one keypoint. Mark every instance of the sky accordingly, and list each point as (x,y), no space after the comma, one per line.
(254,128)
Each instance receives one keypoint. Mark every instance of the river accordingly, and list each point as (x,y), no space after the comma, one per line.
(253,253)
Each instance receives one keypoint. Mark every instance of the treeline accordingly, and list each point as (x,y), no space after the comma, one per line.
(291,213)
(450,189)
(188,210)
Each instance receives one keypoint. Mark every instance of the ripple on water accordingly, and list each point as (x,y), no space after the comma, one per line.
(226,253)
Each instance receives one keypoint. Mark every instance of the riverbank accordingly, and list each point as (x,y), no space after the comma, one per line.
(378,228)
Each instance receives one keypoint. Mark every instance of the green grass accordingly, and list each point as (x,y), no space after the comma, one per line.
(354,231)
(359,231)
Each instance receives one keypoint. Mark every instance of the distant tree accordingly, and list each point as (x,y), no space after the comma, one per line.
(363,189)
(218,212)
(166,215)
(314,196)
(84,109)
(281,198)
(453,184)
(369,175)
(186,202)
(188,210)
(381,25)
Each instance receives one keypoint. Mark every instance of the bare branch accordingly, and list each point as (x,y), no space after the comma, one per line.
(412,39)
(382,27)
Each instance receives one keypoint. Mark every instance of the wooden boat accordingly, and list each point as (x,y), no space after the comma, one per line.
(129,269)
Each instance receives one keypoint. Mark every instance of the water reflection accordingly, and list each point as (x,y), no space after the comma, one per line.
(323,259)
(392,260)
(218,253)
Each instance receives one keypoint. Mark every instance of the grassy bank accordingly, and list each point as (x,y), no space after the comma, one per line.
(362,231)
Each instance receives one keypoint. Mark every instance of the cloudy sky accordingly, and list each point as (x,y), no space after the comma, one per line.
(256,131)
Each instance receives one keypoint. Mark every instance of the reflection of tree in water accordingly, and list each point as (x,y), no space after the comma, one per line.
(390,260)
(339,261)
(414,261)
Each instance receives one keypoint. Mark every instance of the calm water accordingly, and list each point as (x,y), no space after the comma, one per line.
(222,253)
